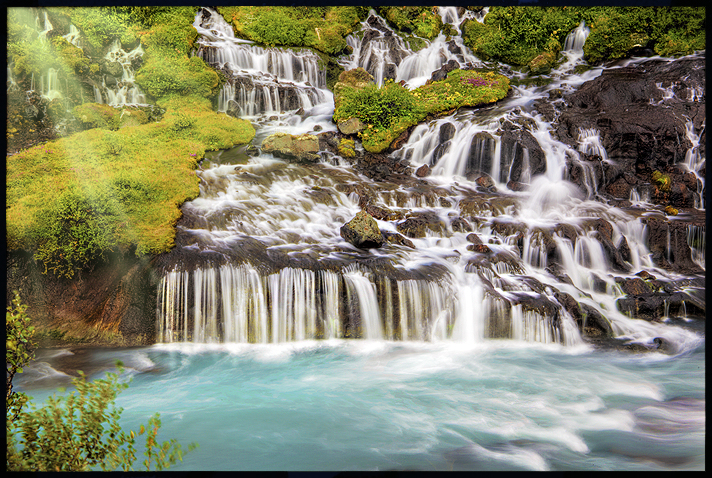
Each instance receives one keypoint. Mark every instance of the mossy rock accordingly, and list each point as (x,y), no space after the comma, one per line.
(362,231)
(300,148)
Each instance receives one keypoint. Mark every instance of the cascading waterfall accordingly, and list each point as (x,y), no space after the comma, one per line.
(73,36)
(263,80)
(416,68)
(125,91)
(271,267)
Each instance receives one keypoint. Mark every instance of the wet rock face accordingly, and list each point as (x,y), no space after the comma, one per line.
(639,135)
(28,120)
(117,296)
(362,231)
(667,241)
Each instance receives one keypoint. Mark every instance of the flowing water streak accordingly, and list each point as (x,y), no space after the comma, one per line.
(73,36)
(417,67)
(276,207)
(262,80)
(694,162)
(126,91)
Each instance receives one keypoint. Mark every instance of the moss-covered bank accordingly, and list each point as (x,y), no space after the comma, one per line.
(388,111)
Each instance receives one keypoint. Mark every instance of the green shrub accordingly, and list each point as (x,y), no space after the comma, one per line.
(277,28)
(124,187)
(19,351)
(76,232)
(391,109)
(516,35)
(422,21)
(77,432)
(379,107)
(321,28)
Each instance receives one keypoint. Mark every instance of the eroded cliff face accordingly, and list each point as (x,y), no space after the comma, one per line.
(114,304)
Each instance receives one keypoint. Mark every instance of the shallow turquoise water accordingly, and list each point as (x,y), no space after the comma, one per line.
(374,405)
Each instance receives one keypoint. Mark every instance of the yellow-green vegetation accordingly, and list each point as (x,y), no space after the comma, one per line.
(321,28)
(422,21)
(517,35)
(84,422)
(168,68)
(346,148)
(391,109)
(72,200)
(671,211)
(661,180)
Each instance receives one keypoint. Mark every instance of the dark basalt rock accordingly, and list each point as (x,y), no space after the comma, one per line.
(416,224)
(639,137)
(667,241)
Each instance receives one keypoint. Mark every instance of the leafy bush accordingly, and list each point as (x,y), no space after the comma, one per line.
(79,432)
(77,232)
(391,109)
(516,35)
(422,21)
(321,28)
(276,28)
(379,107)
(125,186)
(19,350)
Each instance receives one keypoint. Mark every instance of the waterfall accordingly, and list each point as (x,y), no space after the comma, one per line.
(45,28)
(73,36)
(575,40)
(126,91)
(694,161)
(11,84)
(262,259)
(696,240)
(49,87)
(260,80)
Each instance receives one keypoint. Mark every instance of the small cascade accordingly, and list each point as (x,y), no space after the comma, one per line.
(694,162)
(49,85)
(260,80)
(417,68)
(530,326)
(376,49)
(73,36)
(45,28)
(696,240)
(125,91)
(12,86)
(590,143)
(575,40)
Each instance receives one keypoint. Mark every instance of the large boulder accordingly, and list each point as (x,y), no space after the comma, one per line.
(362,231)
(304,147)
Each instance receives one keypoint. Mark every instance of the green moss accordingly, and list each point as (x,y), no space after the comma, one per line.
(162,76)
(112,190)
(321,28)
(422,21)
(661,180)
(517,35)
(95,115)
(391,109)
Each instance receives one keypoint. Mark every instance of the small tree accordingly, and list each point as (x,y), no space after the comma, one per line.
(77,432)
